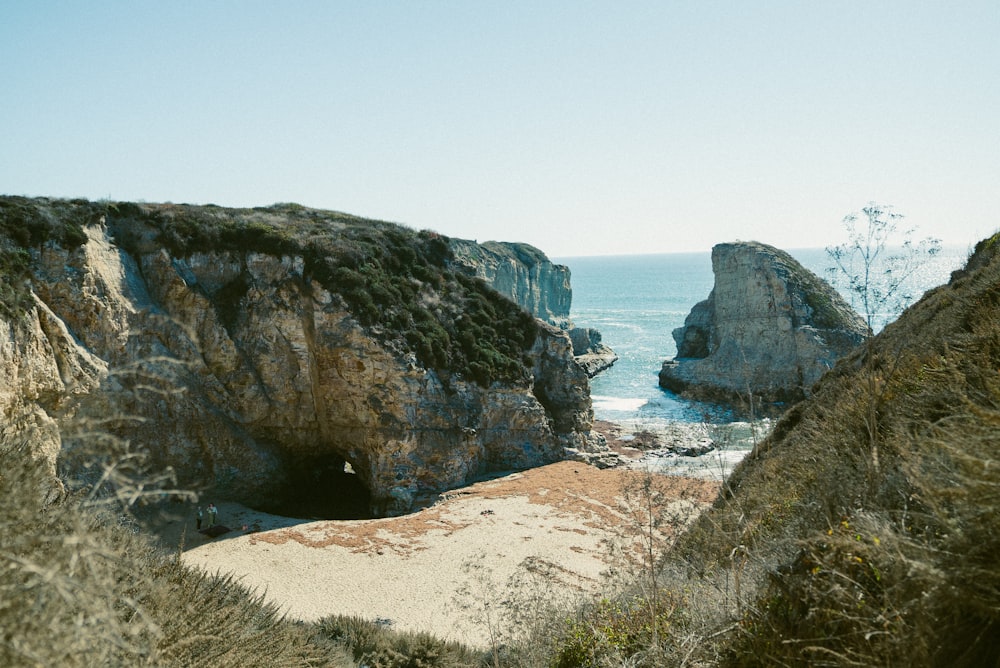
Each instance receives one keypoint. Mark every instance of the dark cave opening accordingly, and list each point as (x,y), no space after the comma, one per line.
(321,488)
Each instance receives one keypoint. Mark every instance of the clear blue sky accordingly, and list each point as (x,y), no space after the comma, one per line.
(583,128)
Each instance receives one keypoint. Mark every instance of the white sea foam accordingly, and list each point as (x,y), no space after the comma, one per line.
(628,404)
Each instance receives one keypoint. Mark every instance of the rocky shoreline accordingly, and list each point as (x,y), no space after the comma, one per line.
(691,449)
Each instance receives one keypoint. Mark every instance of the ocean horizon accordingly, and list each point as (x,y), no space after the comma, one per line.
(636,301)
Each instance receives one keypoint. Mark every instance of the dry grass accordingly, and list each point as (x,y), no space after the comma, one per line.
(852,560)
(862,532)
(79,587)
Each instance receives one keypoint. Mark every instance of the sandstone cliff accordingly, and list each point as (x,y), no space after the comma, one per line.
(769,328)
(524,274)
(257,351)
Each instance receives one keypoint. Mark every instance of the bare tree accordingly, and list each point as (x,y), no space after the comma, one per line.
(877,262)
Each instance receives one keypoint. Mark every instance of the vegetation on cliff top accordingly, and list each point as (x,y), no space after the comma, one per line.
(523,253)
(25,225)
(397,282)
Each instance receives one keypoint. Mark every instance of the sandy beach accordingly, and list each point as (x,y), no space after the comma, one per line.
(558,531)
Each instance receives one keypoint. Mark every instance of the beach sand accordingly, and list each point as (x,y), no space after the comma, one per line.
(556,531)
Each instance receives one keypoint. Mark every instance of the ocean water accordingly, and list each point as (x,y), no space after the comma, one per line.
(636,301)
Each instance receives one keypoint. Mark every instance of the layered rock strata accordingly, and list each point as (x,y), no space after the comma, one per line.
(769,329)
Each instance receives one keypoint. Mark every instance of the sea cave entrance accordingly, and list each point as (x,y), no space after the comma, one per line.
(321,488)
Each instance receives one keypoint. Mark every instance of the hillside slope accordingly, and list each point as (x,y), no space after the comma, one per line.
(865,530)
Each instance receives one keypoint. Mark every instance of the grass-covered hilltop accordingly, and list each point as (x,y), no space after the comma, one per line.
(864,530)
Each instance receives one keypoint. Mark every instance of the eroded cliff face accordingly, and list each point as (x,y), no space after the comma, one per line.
(769,328)
(525,274)
(43,373)
(245,374)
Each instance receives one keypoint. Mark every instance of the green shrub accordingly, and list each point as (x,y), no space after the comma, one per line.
(32,223)
(26,225)
(385,274)
(15,297)
(613,630)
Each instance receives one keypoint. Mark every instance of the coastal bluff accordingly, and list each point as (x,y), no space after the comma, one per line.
(268,353)
(769,328)
(525,274)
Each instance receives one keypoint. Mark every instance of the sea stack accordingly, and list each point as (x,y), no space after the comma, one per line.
(769,329)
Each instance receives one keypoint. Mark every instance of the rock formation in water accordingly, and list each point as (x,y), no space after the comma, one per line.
(524,274)
(769,329)
(590,352)
(252,349)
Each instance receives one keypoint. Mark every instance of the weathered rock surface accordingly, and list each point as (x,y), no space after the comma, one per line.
(527,276)
(523,273)
(253,401)
(590,352)
(769,328)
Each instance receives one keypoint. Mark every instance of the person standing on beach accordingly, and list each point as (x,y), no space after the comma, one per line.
(213,512)
(198,519)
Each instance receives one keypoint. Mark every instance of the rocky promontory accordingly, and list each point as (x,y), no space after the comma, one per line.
(769,329)
(270,353)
